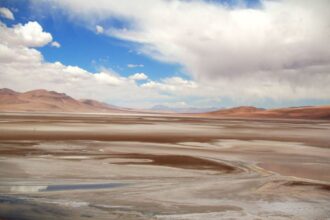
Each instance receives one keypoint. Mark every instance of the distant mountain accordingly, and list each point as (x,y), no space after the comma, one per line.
(42,100)
(97,104)
(164,108)
(304,112)
(237,111)
(50,101)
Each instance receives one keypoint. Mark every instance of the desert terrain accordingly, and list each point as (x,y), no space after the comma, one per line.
(164,110)
(157,166)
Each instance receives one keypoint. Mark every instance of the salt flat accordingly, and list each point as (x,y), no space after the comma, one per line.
(121,166)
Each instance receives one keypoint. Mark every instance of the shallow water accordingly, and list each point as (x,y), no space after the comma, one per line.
(63,187)
(81,186)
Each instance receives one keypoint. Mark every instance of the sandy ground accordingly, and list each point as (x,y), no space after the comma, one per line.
(85,166)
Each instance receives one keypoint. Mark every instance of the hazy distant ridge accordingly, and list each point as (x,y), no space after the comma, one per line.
(42,100)
(305,112)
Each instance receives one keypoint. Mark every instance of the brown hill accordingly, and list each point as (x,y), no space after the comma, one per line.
(102,105)
(310,112)
(238,111)
(8,96)
(306,112)
(49,101)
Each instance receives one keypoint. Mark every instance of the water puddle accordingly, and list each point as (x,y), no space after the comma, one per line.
(64,187)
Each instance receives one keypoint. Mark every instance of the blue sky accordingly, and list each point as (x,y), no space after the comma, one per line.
(212,53)
(83,48)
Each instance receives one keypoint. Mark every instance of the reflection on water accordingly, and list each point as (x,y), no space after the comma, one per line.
(81,186)
(62,187)
(27,189)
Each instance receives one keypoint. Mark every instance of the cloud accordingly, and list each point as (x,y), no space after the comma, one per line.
(275,51)
(30,34)
(138,76)
(172,84)
(6,13)
(56,44)
(99,29)
(108,78)
(74,70)
(24,68)
(18,54)
(134,65)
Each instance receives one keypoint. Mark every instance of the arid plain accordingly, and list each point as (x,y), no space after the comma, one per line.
(164,110)
(157,166)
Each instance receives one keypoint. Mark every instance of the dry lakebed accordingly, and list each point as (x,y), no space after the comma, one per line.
(140,166)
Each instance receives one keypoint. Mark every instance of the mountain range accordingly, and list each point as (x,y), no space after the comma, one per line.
(303,112)
(50,101)
(165,108)
(42,100)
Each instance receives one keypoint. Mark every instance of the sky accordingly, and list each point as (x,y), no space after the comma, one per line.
(178,53)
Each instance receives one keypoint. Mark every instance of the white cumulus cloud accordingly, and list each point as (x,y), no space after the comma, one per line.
(173,84)
(56,44)
(108,78)
(99,29)
(138,76)
(275,51)
(24,68)
(30,34)
(6,13)
(130,65)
